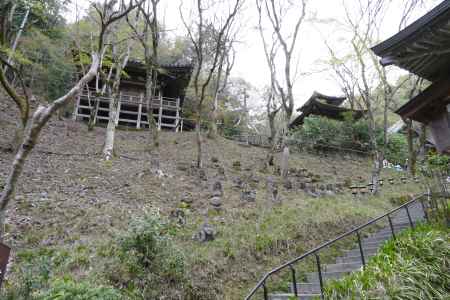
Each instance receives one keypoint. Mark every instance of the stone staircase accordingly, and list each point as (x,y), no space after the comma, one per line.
(351,259)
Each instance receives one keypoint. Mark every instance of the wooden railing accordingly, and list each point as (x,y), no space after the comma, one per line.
(167,115)
(138,99)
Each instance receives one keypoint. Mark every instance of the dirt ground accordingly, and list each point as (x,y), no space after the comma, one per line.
(67,194)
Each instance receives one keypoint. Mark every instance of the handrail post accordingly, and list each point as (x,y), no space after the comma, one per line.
(392,226)
(319,271)
(361,249)
(409,216)
(294,280)
(266,294)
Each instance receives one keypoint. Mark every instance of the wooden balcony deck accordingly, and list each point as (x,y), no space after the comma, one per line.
(132,109)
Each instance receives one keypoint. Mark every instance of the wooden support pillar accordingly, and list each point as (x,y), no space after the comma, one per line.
(160,111)
(177,120)
(139,115)
(118,108)
(181,127)
(75,111)
(97,104)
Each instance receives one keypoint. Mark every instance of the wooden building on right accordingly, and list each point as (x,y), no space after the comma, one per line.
(423,48)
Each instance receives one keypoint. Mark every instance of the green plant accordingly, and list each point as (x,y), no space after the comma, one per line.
(145,257)
(438,162)
(71,290)
(327,132)
(415,266)
(397,149)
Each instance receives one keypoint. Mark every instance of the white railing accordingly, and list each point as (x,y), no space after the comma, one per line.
(167,113)
(138,99)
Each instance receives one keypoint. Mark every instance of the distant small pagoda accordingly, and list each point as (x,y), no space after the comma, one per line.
(326,106)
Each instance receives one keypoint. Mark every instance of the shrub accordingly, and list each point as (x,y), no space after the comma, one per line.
(146,259)
(320,130)
(70,290)
(397,149)
(348,134)
(147,244)
(438,162)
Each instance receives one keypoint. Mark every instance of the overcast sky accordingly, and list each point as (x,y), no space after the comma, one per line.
(310,50)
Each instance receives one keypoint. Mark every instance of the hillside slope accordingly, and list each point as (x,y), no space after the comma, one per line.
(69,197)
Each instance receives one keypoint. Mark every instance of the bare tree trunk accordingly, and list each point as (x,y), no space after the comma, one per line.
(199,142)
(120,61)
(377,155)
(149,11)
(285,163)
(16,40)
(272,111)
(273,137)
(153,151)
(44,112)
(18,137)
(197,38)
(108,148)
(40,117)
(93,114)
(212,132)
(275,12)
(93,103)
(149,88)
(411,151)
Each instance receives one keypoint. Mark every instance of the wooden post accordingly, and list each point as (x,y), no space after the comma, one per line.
(177,120)
(139,115)
(160,111)
(181,127)
(75,111)
(97,104)
(118,108)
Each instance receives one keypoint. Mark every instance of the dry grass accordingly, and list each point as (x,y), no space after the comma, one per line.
(69,197)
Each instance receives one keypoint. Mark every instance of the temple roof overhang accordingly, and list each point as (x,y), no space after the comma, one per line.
(427,105)
(423,48)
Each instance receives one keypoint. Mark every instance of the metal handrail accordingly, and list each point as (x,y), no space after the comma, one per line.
(289,264)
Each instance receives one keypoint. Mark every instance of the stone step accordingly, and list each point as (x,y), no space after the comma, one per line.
(372,243)
(291,296)
(397,228)
(354,258)
(306,288)
(313,277)
(405,219)
(379,236)
(380,239)
(366,250)
(351,260)
(402,221)
(343,267)
(385,233)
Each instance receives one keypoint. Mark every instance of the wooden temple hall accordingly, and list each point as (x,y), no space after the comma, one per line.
(423,48)
(166,106)
(326,106)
